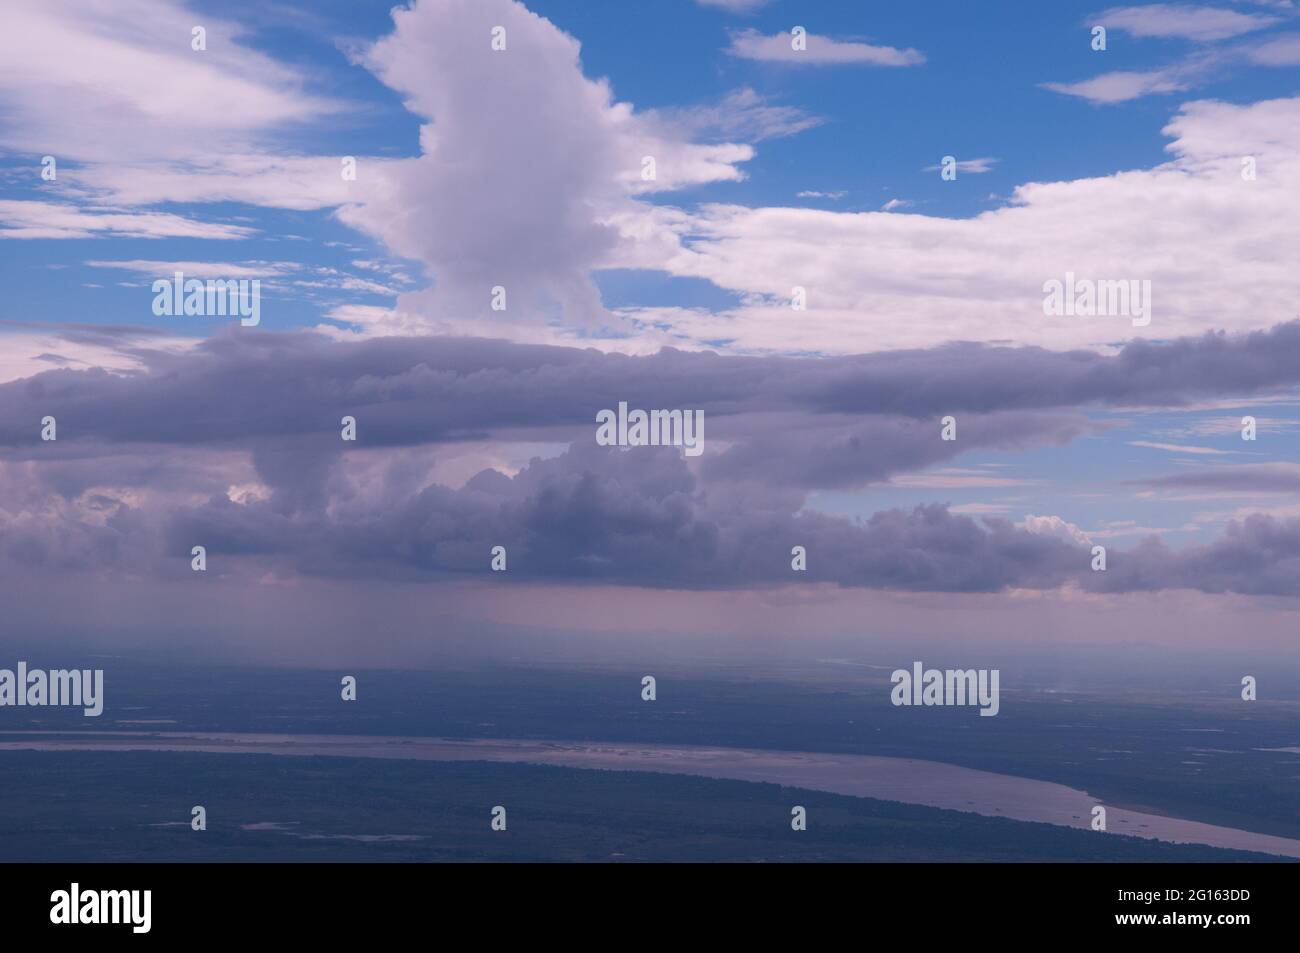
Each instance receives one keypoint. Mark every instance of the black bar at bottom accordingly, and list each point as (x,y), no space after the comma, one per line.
(332,902)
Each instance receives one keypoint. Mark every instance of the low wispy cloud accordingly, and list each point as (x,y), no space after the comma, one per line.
(956,478)
(969,166)
(735,6)
(35,219)
(820,50)
(1205,27)
(200,269)
(741,115)
(1200,24)
(1124,85)
(1279,51)
(1180,448)
(1241,479)
(81,83)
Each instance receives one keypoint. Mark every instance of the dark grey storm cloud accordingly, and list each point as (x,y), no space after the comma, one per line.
(845,451)
(146,462)
(1259,555)
(236,386)
(636,517)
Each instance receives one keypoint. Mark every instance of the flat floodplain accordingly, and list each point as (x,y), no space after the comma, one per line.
(1182,769)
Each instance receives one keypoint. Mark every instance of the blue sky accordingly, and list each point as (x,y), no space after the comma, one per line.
(979,94)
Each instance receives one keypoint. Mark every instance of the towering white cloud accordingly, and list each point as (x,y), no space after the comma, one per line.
(524,160)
